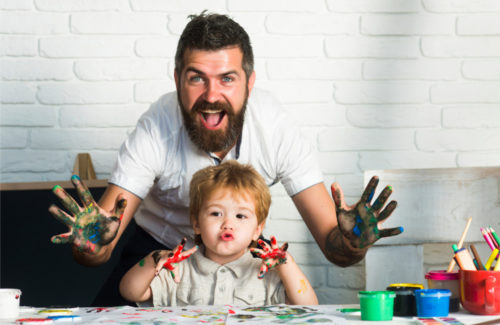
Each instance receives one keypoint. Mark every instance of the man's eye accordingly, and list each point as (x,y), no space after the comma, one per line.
(195,79)
(227,79)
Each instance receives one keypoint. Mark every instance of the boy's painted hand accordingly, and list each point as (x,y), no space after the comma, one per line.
(90,227)
(360,222)
(170,259)
(271,255)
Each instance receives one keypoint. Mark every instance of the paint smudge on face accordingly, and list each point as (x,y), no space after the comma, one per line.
(141,263)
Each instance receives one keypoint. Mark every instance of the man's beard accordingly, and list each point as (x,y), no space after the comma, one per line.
(213,140)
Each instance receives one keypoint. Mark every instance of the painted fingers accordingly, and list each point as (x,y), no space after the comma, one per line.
(170,259)
(271,255)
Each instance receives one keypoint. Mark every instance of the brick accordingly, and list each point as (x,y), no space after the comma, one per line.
(386,92)
(479,24)
(315,274)
(481,69)
(405,160)
(16,4)
(394,116)
(33,23)
(120,69)
(337,296)
(323,69)
(13,138)
(465,92)
(157,47)
(352,277)
(421,69)
(437,46)
(118,23)
(252,22)
(21,115)
(472,116)
(338,162)
(315,23)
(301,91)
(453,6)
(370,47)
(17,93)
(148,92)
(36,69)
(309,254)
(472,159)
(287,46)
(32,161)
(408,24)
(291,231)
(282,208)
(81,5)
(351,185)
(71,139)
(85,46)
(18,46)
(392,6)
(333,139)
(85,93)
(188,7)
(103,161)
(317,114)
(457,139)
(277,5)
(100,116)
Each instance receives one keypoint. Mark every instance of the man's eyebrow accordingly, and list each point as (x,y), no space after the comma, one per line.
(191,69)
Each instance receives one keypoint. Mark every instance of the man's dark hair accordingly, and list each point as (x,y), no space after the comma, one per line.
(211,32)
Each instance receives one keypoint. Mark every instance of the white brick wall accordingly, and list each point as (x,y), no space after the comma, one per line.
(374,84)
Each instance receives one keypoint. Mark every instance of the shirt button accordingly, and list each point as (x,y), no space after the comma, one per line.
(223,271)
(221,289)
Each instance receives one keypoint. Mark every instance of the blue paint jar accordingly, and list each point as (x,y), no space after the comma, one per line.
(432,302)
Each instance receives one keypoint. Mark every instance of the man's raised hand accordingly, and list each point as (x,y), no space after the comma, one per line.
(90,227)
(360,222)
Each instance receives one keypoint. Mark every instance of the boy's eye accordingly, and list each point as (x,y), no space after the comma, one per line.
(241,216)
(216,213)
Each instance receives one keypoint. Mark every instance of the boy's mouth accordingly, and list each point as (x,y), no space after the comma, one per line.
(226,236)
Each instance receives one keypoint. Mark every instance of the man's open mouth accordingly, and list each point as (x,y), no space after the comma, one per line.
(212,119)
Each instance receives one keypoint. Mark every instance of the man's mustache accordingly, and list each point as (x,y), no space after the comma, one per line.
(203,105)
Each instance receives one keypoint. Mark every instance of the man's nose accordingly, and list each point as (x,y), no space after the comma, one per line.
(212,91)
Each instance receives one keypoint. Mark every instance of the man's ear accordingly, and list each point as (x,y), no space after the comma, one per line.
(177,80)
(251,82)
(259,230)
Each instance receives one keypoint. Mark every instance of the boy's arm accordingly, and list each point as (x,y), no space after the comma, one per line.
(298,289)
(135,284)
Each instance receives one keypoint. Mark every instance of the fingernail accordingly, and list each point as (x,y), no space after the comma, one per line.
(402,229)
(56,188)
(75,177)
(183,241)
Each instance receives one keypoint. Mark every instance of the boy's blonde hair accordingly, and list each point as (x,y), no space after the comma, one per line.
(240,178)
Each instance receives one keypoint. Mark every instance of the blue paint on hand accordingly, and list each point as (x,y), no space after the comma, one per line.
(402,229)
(356,231)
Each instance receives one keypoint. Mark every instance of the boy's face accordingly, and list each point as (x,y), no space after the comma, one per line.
(227,224)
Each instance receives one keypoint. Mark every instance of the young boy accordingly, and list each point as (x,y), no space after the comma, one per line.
(228,207)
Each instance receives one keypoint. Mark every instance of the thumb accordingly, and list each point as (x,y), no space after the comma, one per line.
(338,196)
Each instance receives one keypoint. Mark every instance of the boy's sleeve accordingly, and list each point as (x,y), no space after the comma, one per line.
(161,291)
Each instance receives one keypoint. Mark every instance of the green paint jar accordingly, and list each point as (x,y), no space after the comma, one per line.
(376,305)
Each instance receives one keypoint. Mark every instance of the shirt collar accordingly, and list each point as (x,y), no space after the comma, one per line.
(206,266)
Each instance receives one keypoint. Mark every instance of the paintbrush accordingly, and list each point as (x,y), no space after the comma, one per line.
(459,245)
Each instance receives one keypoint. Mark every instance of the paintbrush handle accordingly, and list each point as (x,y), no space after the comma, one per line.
(460,243)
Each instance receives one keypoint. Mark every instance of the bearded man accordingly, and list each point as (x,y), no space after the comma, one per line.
(215,115)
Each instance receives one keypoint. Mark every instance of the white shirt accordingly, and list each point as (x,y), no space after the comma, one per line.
(158,159)
(205,282)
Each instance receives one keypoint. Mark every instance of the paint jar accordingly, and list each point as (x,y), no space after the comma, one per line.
(440,279)
(9,303)
(404,303)
(376,305)
(432,302)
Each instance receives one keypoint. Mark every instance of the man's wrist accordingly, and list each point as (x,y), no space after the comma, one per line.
(339,250)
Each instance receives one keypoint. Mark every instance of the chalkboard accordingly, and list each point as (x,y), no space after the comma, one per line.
(46,273)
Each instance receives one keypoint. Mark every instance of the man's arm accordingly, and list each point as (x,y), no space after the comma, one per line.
(318,212)
(107,202)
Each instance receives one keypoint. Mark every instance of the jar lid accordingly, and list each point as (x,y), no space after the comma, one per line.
(437,293)
(397,286)
(377,294)
(442,275)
